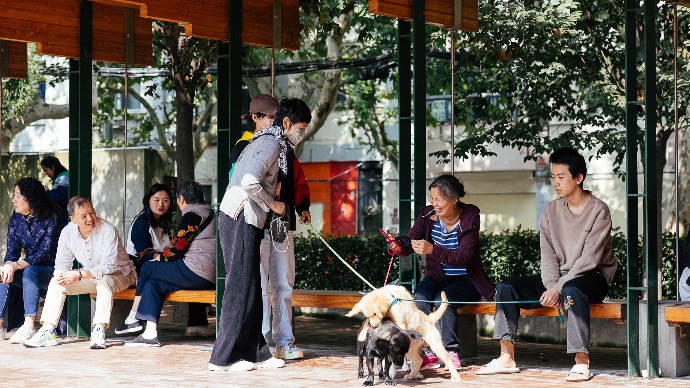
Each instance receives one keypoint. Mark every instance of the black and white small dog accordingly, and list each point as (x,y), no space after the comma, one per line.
(386,342)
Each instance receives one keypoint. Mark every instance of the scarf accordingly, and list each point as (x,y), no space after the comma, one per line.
(277,133)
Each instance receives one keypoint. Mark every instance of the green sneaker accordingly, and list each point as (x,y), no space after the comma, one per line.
(289,352)
(41,338)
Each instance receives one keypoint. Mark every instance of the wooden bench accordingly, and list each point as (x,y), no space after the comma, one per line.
(300,298)
(613,309)
(677,315)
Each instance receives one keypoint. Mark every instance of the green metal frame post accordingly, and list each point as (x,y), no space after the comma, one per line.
(221,162)
(229,121)
(633,265)
(405,125)
(405,146)
(419,39)
(650,188)
(80,127)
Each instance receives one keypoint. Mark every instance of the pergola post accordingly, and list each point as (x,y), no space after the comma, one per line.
(404,126)
(229,121)
(633,267)
(650,187)
(80,127)
(419,62)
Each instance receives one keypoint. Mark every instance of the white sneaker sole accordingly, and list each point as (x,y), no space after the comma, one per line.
(45,344)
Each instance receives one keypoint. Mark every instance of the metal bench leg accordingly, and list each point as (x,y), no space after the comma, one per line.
(467,335)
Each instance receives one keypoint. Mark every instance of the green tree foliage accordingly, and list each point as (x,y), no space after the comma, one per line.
(506,254)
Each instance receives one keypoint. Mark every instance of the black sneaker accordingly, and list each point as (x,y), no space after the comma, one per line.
(130,327)
(141,341)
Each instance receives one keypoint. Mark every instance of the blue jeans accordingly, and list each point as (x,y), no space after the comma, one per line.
(157,279)
(458,289)
(33,280)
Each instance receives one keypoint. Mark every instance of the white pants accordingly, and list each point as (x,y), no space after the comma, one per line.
(277,279)
(104,288)
(684,289)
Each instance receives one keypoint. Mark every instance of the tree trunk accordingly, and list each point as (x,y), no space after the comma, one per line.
(184,147)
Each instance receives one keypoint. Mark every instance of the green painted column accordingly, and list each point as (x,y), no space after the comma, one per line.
(229,121)
(650,188)
(633,265)
(405,125)
(419,63)
(80,127)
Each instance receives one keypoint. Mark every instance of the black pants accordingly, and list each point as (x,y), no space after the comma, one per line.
(239,332)
(577,294)
(458,289)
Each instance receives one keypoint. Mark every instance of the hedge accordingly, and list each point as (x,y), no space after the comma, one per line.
(505,254)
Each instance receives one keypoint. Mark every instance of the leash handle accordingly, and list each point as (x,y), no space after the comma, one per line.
(391,251)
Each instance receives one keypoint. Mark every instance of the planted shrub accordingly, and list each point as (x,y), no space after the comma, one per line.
(508,253)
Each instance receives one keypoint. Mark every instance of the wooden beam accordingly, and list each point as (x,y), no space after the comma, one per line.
(13,60)
(54,27)
(208,19)
(437,12)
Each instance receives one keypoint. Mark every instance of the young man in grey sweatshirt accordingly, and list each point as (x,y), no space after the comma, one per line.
(576,267)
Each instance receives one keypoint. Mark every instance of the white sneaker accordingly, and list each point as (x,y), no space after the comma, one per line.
(289,352)
(22,334)
(239,366)
(42,338)
(97,338)
(271,363)
(199,331)
(3,331)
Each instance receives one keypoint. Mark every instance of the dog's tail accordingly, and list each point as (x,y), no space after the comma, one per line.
(436,315)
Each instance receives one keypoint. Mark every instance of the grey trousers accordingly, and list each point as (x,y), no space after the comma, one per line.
(577,294)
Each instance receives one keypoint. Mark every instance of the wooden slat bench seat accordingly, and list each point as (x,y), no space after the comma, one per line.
(677,315)
(613,309)
(610,309)
(300,298)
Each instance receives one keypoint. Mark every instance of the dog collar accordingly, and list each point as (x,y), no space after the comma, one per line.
(395,300)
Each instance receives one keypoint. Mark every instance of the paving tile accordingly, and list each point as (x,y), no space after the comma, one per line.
(329,347)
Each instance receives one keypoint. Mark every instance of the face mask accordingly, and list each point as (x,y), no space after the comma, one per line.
(295,137)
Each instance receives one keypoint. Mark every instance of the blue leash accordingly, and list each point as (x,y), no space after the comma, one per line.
(561,317)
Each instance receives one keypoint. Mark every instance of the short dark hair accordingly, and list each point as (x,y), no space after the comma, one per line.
(75,202)
(569,157)
(294,109)
(192,192)
(35,195)
(54,163)
(165,221)
(449,185)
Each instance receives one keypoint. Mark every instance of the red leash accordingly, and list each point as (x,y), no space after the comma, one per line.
(391,251)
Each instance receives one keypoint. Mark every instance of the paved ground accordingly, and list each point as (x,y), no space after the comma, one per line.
(330,360)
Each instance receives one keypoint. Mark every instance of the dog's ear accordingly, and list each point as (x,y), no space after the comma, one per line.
(413,334)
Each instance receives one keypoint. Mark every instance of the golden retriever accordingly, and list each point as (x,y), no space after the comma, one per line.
(376,306)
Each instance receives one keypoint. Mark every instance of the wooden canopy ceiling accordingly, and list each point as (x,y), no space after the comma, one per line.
(438,12)
(209,19)
(54,26)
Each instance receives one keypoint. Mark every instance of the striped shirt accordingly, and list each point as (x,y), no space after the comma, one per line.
(447,239)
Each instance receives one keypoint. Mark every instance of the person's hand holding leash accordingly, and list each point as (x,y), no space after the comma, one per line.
(278,207)
(551,298)
(305,218)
